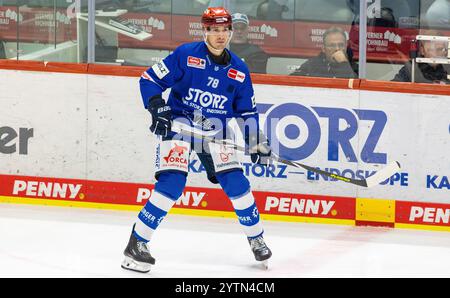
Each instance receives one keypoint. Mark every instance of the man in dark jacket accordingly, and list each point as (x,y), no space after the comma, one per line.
(425,72)
(2,51)
(334,61)
(252,55)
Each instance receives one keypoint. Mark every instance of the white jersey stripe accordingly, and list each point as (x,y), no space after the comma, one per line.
(146,76)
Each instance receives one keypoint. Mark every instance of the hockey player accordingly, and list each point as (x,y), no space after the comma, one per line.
(210,85)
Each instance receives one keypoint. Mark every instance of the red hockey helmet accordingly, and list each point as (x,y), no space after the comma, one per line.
(216,16)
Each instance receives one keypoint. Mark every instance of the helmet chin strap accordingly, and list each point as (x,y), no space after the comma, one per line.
(213,49)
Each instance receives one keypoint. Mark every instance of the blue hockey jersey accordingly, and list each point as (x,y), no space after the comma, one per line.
(199,84)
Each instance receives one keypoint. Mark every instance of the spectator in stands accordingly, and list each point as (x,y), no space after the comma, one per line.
(335,60)
(252,55)
(425,72)
(148,6)
(2,51)
(385,13)
(438,14)
(272,10)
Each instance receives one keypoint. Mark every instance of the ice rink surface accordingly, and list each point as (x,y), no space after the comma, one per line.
(44,241)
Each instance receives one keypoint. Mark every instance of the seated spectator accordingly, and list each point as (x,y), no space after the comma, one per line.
(271,10)
(335,60)
(386,13)
(425,72)
(438,14)
(193,7)
(2,51)
(252,55)
(136,5)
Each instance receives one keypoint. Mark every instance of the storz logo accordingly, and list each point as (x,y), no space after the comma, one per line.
(12,140)
(299,133)
(206,99)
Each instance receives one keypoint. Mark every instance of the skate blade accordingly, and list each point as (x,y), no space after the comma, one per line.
(130,264)
(264,264)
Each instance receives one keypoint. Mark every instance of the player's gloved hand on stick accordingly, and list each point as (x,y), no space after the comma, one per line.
(260,151)
(161,116)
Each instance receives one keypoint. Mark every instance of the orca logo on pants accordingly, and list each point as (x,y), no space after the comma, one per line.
(176,154)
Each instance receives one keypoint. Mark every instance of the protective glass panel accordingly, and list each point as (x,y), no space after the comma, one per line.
(8,29)
(133,32)
(394,40)
(38,30)
(323,41)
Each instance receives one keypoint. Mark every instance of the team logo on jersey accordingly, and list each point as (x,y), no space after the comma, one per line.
(160,70)
(196,62)
(236,75)
(199,99)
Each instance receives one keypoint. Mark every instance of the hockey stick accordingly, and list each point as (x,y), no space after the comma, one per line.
(371,181)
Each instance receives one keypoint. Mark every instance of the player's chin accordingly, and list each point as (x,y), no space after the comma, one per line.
(220,46)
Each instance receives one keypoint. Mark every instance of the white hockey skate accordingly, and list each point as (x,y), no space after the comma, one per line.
(137,256)
(260,250)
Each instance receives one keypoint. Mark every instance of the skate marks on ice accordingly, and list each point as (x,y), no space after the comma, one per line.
(41,241)
(312,255)
(366,252)
(44,241)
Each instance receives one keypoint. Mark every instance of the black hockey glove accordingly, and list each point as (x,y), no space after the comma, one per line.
(161,116)
(259,149)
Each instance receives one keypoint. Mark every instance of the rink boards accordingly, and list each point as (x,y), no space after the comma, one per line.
(78,139)
(213,202)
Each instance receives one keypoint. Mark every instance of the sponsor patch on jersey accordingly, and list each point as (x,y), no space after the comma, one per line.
(160,70)
(196,62)
(236,75)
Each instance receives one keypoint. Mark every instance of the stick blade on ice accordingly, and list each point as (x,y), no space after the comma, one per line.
(383,174)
